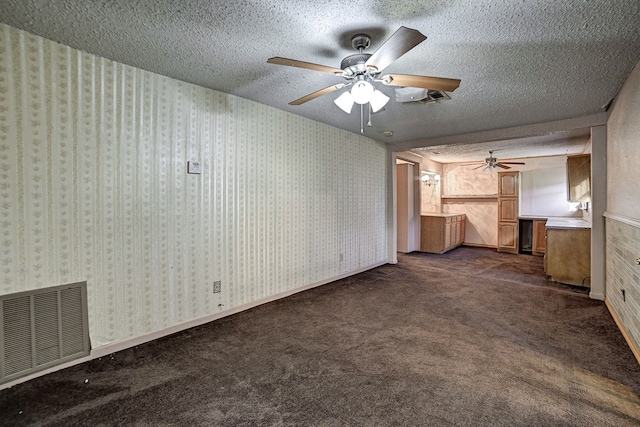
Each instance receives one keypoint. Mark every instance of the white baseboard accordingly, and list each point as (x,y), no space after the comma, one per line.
(107,349)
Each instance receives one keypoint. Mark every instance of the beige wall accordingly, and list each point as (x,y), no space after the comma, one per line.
(430,195)
(93,186)
(623,209)
(542,193)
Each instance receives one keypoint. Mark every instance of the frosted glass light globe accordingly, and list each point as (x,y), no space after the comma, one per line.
(362,92)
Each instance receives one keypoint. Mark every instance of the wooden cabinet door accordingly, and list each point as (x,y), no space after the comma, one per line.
(508,237)
(579,178)
(448,234)
(432,234)
(508,210)
(508,184)
(539,244)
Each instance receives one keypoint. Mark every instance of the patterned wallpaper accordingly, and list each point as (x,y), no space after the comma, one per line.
(94,186)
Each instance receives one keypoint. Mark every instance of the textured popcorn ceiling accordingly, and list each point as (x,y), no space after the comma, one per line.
(520,62)
(552,144)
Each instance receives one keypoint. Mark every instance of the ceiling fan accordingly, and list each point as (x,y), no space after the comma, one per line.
(362,70)
(491,163)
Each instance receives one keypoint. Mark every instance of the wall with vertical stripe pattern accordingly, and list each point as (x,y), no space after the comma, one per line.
(94,186)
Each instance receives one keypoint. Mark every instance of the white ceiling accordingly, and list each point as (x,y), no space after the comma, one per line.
(521,62)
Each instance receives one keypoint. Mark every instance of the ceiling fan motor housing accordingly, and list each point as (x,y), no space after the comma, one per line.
(354,64)
(360,42)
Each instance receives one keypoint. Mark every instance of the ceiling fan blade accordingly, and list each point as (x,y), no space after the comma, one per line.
(425,82)
(301,64)
(400,42)
(472,164)
(500,165)
(317,94)
(513,163)
(481,166)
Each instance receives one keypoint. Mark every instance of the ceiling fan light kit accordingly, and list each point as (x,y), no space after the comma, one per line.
(345,102)
(362,92)
(363,70)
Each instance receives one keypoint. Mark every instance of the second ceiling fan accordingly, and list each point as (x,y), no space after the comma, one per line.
(491,163)
(362,70)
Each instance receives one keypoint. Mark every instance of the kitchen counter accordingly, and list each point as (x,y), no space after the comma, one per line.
(568,223)
(568,258)
(440,232)
(440,215)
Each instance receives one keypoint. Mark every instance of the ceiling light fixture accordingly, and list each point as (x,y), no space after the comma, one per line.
(362,93)
(345,102)
(490,169)
(378,101)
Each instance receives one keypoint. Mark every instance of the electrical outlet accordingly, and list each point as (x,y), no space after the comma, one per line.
(194,167)
(341,257)
(217,287)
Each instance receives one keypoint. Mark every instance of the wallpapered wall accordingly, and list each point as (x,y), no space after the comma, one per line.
(94,186)
(623,207)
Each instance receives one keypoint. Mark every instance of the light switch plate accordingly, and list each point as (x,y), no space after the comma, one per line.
(194,166)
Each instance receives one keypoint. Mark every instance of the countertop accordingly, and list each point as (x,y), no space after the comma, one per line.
(440,215)
(532,217)
(568,223)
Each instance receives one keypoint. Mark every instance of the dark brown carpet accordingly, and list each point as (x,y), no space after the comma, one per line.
(469,338)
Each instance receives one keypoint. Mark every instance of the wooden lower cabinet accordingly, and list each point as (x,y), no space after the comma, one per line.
(568,257)
(441,232)
(508,237)
(539,240)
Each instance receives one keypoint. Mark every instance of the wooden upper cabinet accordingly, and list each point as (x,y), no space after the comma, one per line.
(579,178)
(508,184)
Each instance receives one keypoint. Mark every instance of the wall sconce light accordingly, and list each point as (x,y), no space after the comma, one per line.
(430,179)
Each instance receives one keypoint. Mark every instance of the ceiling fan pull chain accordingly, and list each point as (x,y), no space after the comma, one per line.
(362,119)
(369,122)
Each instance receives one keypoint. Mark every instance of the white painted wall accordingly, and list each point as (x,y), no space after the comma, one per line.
(543,192)
(93,186)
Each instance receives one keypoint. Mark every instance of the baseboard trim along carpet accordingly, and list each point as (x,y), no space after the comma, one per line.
(116,346)
(625,333)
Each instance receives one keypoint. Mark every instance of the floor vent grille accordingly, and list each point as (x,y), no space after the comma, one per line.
(42,328)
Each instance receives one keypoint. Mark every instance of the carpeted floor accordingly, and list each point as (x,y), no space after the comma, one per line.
(469,338)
